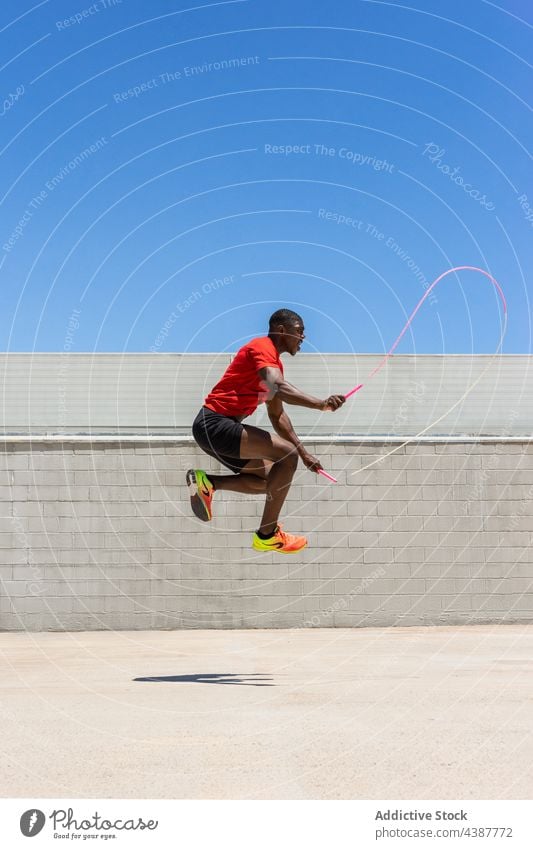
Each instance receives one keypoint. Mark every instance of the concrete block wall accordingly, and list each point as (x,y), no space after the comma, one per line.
(100,535)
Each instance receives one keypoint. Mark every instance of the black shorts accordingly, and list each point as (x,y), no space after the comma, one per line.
(220,437)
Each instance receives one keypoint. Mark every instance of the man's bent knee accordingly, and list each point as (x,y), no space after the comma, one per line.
(289,459)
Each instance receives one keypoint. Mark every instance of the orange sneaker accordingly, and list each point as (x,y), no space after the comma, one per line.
(279,541)
(201,492)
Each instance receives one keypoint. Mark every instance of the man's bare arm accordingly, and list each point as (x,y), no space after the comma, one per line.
(283,427)
(278,387)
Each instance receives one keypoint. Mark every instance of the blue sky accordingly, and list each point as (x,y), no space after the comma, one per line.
(174,172)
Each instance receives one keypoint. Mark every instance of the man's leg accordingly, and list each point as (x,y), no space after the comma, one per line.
(284,458)
(272,476)
(251,480)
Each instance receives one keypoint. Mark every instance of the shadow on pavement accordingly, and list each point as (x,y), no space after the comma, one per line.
(253,680)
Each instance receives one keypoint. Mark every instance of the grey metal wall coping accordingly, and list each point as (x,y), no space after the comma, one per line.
(149,396)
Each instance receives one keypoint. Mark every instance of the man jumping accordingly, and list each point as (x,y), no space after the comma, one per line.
(262,462)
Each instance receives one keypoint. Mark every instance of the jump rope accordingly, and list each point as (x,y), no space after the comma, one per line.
(397,341)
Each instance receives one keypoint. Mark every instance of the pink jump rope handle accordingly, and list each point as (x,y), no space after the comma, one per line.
(354,390)
(327,475)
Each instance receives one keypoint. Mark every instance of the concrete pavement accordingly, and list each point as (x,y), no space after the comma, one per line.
(392,713)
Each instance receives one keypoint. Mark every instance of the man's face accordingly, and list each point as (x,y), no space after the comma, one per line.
(295,335)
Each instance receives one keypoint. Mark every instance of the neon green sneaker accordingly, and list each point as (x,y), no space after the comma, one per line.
(201,492)
(279,541)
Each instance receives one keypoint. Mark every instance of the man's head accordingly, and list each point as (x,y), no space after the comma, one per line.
(286,329)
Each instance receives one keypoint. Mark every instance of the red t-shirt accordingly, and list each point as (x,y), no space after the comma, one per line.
(240,389)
